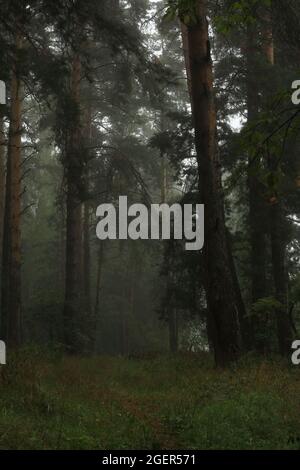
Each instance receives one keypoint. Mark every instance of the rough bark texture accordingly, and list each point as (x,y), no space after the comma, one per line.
(74,174)
(11,264)
(219,284)
(2,182)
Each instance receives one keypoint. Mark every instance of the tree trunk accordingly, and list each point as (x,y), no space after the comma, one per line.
(164,178)
(87,259)
(11,264)
(219,284)
(278,243)
(278,229)
(99,277)
(172,312)
(186,53)
(125,306)
(257,207)
(74,232)
(246,330)
(2,182)
(90,319)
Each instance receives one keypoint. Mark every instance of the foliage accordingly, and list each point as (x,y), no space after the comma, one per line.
(239,13)
(266,306)
(155,403)
(186,10)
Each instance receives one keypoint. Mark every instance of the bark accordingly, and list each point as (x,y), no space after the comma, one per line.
(74,230)
(125,307)
(278,244)
(2,181)
(257,206)
(164,178)
(87,259)
(185,44)
(172,312)
(89,315)
(11,263)
(172,306)
(219,284)
(86,214)
(99,278)
(278,230)
(246,330)
(268,42)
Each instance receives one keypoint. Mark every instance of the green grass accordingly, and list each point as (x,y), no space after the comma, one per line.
(161,403)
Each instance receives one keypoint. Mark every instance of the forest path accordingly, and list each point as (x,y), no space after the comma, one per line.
(124,391)
(166,404)
(147,411)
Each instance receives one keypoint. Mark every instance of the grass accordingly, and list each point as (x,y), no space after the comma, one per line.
(162,403)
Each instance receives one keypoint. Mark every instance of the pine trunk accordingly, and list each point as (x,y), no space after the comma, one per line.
(2,182)
(257,207)
(278,244)
(87,259)
(278,229)
(74,229)
(11,263)
(219,285)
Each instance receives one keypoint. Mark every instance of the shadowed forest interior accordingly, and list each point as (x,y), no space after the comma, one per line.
(141,343)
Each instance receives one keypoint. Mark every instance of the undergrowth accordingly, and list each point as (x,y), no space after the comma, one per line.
(48,401)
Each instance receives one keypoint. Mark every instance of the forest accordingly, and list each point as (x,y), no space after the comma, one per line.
(141,343)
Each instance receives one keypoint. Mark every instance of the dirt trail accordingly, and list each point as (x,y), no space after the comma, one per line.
(145,411)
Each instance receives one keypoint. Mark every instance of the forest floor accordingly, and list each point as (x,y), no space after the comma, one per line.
(160,403)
